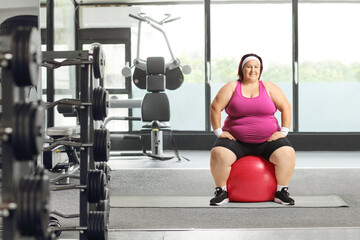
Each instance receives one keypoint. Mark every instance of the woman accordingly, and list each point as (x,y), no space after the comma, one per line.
(251,128)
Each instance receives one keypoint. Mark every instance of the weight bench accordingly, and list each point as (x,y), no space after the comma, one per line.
(62,158)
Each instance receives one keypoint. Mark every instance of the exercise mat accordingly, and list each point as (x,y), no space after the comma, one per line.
(330,201)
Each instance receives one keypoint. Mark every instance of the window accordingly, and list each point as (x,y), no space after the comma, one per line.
(236,30)
(329,70)
(186,38)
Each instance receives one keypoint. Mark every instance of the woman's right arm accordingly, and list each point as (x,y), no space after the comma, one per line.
(218,105)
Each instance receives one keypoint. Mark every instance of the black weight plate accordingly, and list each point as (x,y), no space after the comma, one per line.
(174,78)
(38,128)
(34,55)
(42,205)
(30,211)
(16,65)
(139,78)
(96,145)
(91,231)
(103,145)
(97,229)
(105,104)
(102,183)
(95,109)
(25,65)
(98,61)
(96,180)
(21,211)
(90,186)
(107,145)
(37,206)
(104,206)
(93,186)
(21,138)
(26,129)
(16,137)
(103,166)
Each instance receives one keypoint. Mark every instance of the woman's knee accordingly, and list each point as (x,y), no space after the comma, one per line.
(283,155)
(221,155)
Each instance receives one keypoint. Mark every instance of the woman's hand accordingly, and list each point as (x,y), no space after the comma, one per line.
(228,135)
(275,136)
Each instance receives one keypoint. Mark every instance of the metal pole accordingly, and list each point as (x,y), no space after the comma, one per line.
(50,89)
(84,119)
(295,65)
(207,65)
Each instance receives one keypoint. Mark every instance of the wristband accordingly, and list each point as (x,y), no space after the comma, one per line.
(218,132)
(285,131)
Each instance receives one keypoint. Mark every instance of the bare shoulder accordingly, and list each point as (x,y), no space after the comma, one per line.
(232,84)
(267,84)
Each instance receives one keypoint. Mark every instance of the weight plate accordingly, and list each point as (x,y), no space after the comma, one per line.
(28,136)
(96,145)
(27,55)
(42,203)
(100,104)
(21,213)
(37,128)
(95,109)
(97,226)
(92,188)
(105,104)
(102,183)
(98,61)
(20,140)
(105,168)
(102,145)
(107,145)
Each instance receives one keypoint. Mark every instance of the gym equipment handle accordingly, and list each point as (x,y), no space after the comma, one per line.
(136,17)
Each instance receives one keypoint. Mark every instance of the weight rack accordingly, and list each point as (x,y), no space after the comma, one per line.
(25,192)
(89,69)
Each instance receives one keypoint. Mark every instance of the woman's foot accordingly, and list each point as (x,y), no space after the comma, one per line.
(221,197)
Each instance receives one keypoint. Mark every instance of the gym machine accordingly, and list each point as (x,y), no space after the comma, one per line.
(155,76)
(25,192)
(92,106)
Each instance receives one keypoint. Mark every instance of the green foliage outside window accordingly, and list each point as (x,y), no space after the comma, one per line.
(225,70)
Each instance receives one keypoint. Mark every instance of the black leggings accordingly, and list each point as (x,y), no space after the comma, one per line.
(241,149)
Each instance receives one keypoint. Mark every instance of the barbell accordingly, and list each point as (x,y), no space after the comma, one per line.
(97,226)
(101,145)
(97,61)
(100,104)
(96,186)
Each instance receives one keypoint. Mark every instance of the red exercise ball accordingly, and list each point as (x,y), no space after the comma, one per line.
(252,179)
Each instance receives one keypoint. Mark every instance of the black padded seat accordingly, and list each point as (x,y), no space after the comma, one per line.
(155,107)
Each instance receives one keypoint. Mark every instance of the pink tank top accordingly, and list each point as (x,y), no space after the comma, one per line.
(251,120)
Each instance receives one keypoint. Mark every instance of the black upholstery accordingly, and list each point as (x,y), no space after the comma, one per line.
(155,106)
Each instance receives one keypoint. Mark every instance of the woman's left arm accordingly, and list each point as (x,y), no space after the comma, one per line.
(282,104)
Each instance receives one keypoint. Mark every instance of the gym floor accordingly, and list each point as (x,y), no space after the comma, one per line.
(316,173)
